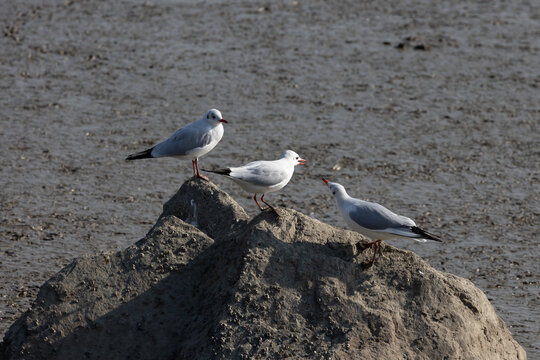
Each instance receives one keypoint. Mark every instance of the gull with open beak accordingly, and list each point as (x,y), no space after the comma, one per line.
(261,177)
(190,142)
(374,220)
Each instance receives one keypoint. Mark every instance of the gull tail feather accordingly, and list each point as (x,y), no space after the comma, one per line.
(225,172)
(424,234)
(141,155)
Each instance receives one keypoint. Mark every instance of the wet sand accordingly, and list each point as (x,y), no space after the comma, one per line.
(430,109)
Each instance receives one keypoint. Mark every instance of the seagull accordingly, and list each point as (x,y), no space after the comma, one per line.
(190,142)
(261,177)
(374,220)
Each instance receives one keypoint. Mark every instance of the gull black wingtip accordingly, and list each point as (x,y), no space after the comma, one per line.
(146,154)
(219,171)
(425,234)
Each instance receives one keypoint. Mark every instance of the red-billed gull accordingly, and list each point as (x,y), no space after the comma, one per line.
(261,177)
(374,220)
(190,142)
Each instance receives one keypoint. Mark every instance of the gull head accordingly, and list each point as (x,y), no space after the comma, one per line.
(291,155)
(214,117)
(335,188)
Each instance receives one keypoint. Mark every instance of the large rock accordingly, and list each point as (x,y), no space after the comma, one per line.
(268,288)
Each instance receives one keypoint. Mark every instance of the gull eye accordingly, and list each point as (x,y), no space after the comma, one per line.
(213,116)
(333,193)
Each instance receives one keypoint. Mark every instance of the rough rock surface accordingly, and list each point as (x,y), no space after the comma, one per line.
(269,287)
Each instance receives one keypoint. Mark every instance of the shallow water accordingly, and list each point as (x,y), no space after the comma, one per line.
(430,109)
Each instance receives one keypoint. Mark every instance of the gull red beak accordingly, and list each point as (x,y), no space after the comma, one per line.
(325,181)
(301,162)
(223,121)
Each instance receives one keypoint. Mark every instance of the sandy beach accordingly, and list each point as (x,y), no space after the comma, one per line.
(430,109)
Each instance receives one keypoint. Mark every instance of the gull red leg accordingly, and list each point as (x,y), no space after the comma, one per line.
(375,246)
(262,199)
(256,202)
(267,204)
(197,172)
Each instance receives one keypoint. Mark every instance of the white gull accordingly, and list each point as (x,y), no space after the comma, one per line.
(374,220)
(261,177)
(190,142)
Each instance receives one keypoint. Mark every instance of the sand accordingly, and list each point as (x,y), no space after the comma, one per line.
(430,109)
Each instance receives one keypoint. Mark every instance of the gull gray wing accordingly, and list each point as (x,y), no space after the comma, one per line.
(182,142)
(373,216)
(261,173)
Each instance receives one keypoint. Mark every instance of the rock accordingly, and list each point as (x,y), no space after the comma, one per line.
(218,213)
(271,287)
